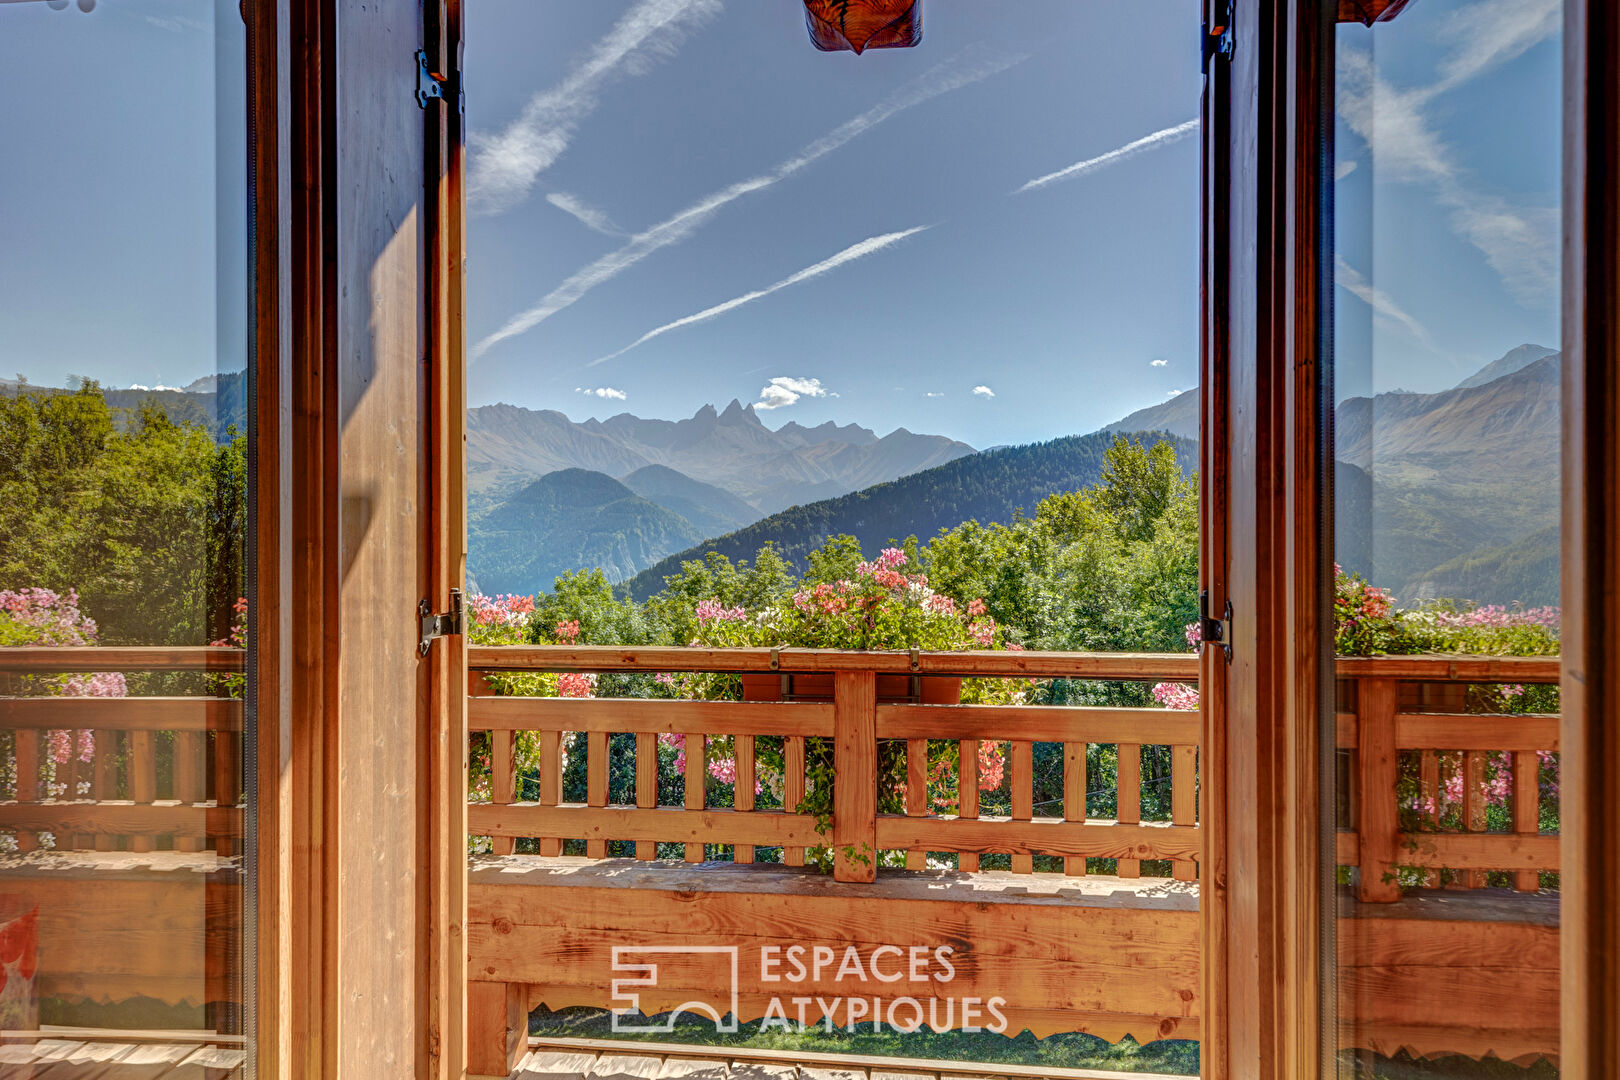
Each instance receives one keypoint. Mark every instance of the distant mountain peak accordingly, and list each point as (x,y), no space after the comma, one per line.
(738,413)
(1513,361)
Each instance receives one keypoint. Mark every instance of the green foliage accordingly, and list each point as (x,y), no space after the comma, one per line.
(990,486)
(765,583)
(143,516)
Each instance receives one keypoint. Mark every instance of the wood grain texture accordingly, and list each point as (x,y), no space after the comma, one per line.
(664,824)
(497,1027)
(1590,686)
(1377,822)
(122,714)
(1129,780)
(854,827)
(1033,723)
(620,714)
(52,659)
(1182,667)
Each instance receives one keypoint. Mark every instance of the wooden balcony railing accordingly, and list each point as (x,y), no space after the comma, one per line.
(1395,706)
(855,720)
(115,800)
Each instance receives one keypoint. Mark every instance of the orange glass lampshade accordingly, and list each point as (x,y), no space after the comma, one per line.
(858,25)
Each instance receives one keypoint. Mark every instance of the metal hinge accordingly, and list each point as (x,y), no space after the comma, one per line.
(433,626)
(431,85)
(1215,631)
(1217,35)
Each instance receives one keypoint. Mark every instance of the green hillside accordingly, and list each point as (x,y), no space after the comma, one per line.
(989,486)
(572,519)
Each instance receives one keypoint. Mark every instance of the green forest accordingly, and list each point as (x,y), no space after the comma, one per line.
(142,514)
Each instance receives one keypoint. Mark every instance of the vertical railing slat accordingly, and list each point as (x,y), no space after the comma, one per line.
(967,791)
(596,785)
(1474,807)
(792,789)
(1526,810)
(696,771)
(227,781)
(916,794)
(502,782)
(1429,792)
(1074,799)
(190,780)
(104,784)
(27,760)
(742,797)
(551,784)
(1023,795)
(646,786)
(1129,795)
(1183,802)
(1377,771)
(142,778)
(855,764)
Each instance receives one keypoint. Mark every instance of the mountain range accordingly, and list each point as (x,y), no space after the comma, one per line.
(990,486)
(1448,494)
(508,447)
(1453,494)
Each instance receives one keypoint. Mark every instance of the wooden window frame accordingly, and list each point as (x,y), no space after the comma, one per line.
(310,963)
(1266,988)
(1268,858)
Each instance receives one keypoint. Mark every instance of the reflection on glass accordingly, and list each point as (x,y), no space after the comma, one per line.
(123,485)
(1446,444)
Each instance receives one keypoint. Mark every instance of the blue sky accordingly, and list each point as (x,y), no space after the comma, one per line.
(123,197)
(846,226)
(1058,300)
(1448,145)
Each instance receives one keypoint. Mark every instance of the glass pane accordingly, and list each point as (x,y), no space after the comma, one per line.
(124,469)
(1446,337)
(777,346)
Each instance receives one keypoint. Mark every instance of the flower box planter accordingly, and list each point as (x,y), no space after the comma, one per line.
(818,686)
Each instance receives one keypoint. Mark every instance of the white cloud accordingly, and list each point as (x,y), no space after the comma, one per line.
(1158,361)
(505,165)
(1520,243)
(1492,32)
(984,391)
(934,393)
(1174,393)
(850,254)
(970,66)
(785,390)
(586,215)
(1344,169)
(1163,137)
(1355,283)
(601,392)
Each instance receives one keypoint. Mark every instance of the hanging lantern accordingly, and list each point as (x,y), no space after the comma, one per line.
(858,25)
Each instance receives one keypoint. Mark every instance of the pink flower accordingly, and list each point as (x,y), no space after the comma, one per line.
(976,607)
(568,631)
(576,685)
(1176,696)
(983,631)
(714,611)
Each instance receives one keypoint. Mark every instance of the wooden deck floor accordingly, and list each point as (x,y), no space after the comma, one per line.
(73,1059)
(594,1059)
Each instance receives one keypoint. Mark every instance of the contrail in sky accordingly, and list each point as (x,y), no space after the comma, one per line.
(866,247)
(505,165)
(1139,146)
(952,74)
